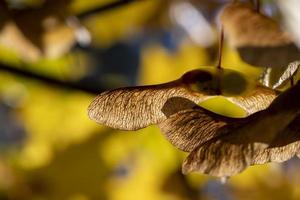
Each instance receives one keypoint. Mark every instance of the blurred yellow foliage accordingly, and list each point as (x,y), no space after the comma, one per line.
(118,24)
(52,118)
(67,156)
(160,65)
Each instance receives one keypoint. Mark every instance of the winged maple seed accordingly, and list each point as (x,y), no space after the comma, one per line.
(132,108)
(258,39)
(223,146)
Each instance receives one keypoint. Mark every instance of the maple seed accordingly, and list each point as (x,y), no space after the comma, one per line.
(133,108)
(258,39)
(269,135)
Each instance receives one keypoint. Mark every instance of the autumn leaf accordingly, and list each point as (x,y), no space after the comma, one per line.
(258,39)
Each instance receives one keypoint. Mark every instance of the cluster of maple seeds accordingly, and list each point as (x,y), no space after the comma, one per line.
(218,145)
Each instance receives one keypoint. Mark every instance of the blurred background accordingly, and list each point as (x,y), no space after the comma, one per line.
(56,55)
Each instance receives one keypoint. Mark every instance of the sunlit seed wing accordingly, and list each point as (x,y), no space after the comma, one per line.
(218,159)
(258,99)
(133,108)
(226,154)
(189,128)
(242,144)
(259,40)
(225,158)
(276,154)
(283,147)
(244,26)
(236,148)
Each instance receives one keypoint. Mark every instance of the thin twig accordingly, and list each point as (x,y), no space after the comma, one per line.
(221,40)
(219,64)
(104,8)
(257,6)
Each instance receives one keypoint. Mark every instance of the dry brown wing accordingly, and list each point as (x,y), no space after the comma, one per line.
(226,158)
(283,147)
(191,130)
(228,153)
(191,127)
(258,99)
(243,144)
(218,159)
(259,40)
(244,26)
(234,150)
(133,108)
(276,154)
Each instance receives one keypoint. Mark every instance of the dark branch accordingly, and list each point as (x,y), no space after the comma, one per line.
(104,8)
(88,88)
